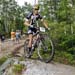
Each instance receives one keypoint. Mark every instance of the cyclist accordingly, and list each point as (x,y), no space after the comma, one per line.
(30,21)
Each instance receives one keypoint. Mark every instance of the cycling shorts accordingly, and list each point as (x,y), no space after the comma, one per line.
(32,30)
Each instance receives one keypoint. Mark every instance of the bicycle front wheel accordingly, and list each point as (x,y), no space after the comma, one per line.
(46,49)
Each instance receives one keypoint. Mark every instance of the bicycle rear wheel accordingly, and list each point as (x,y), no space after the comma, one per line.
(26,49)
(46,49)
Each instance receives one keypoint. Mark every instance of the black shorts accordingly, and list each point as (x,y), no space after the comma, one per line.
(32,30)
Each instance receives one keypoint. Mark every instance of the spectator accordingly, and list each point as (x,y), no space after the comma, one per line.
(12,35)
(17,36)
(2,37)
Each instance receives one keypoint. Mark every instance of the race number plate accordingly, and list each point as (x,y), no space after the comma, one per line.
(42,29)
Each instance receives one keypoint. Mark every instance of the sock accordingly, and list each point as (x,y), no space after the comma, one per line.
(29,48)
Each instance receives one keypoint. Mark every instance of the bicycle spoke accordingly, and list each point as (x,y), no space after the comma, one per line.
(26,50)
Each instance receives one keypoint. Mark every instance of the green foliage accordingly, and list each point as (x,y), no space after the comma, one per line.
(62,28)
(12,16)
(65,48)
(64,57)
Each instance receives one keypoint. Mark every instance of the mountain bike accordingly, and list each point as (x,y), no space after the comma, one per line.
(43,44)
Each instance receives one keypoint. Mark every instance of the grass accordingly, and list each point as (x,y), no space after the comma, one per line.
(35,55)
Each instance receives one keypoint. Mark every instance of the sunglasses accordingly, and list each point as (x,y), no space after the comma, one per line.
(36,9)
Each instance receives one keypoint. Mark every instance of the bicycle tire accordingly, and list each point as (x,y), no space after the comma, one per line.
(26,50)
(41,50)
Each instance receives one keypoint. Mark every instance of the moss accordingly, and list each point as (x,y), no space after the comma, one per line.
(2,60)
(18,68)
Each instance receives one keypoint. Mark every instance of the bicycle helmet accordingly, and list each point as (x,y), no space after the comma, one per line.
(36,7)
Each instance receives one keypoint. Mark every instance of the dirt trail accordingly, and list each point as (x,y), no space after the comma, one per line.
(9,46)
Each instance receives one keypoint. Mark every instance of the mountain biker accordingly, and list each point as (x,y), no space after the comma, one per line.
(30,21)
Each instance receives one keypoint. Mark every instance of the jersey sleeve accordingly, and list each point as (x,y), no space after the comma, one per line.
(40,17)
(28,17)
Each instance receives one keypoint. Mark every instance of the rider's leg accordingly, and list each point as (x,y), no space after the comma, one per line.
(30,41)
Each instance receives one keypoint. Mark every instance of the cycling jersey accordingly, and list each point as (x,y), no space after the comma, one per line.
(33,18)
